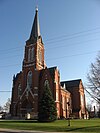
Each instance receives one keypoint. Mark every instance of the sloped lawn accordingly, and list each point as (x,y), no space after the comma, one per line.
(92,125)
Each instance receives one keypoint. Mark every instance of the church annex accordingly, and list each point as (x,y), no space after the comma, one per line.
(29,83)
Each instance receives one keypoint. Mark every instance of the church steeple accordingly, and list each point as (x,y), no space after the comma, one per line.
(35,32)
(34,49)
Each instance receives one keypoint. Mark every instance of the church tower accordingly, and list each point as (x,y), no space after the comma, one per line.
(26,83)
(33,63)
(34,49)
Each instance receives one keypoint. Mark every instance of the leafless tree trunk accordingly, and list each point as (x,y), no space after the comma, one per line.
(94,80)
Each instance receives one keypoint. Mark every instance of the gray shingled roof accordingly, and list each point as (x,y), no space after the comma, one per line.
(52,72)
(71,83)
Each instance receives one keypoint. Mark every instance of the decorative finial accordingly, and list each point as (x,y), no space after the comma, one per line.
(36,8)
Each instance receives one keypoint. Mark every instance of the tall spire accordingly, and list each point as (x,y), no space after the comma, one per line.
(35,32)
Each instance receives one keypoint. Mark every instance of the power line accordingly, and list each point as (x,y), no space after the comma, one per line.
(94,97)
(74,35)
(89,30)
(10,57)
(58,46)
(59,40)
(10,65)
(59,37)
(5,91)
(55,47)
(72,55)
(74,44)
(11,49)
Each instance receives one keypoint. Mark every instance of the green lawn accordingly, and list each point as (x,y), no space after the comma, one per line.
(92,125)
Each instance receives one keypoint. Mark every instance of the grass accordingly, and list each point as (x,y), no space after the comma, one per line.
(86,126)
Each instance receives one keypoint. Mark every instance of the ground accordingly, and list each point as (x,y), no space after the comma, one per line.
(82,126)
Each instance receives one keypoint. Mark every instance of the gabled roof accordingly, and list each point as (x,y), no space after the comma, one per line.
(71,83)
(52,72)
(52,69)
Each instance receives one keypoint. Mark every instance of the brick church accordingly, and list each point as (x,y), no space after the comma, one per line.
(29,83)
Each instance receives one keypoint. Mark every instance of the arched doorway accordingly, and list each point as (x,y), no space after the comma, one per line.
(26,108)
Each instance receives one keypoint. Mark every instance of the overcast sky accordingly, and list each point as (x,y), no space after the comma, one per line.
(70,30)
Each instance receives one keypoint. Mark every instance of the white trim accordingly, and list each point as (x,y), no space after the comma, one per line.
(32,94)
(57,101)
(55,82)
(36,88)
(28,65)
(35,94)
(30,45)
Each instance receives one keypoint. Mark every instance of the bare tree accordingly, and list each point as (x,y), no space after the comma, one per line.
(89,107)
(1,108)
(6,107)
(94,80)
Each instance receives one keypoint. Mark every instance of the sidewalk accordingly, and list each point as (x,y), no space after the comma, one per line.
(18,131)
(23,131)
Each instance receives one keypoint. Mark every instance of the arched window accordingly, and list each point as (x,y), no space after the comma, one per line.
(46,83)
(32,54)
(19,90)
(29,79)
(39,55)
(29,54)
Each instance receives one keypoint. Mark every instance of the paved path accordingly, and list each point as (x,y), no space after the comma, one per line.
(22,131)
(17,131)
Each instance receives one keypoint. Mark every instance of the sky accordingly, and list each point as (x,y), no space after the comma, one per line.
(70,30)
